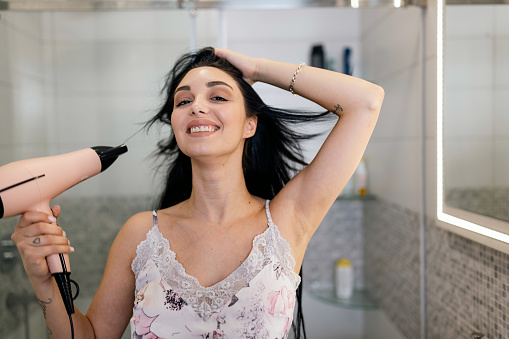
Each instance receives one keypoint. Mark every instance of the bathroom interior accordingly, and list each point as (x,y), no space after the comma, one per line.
(428,243)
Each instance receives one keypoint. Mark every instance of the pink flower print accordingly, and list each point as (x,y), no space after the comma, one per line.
(142,323)
(281,302)
(281,305)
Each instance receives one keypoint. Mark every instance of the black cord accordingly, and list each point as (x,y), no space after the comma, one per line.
(72,326)
(73,298)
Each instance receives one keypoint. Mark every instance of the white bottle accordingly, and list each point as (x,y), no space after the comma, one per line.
(361,179)
(344,279)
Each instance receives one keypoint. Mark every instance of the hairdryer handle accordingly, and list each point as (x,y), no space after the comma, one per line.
(60,268)
(57,263)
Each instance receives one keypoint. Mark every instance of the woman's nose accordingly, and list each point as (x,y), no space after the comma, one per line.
(199,107)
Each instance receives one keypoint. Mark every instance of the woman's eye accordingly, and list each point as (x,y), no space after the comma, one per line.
(182,102)
(218,98)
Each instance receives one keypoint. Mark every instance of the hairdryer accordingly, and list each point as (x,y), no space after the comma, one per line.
(30,185)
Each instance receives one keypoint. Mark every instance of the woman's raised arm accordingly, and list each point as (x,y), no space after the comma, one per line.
(309,195)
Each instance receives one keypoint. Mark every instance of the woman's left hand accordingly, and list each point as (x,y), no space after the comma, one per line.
(247,65)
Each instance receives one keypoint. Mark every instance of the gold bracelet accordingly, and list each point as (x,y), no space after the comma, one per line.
(295,77)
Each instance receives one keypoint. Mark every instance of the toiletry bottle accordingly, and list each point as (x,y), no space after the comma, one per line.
(361,179)
(344,279)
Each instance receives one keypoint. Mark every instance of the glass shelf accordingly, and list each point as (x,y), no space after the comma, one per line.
(359,299)
(356,197)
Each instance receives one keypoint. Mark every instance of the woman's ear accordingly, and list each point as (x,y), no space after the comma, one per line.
(252,122)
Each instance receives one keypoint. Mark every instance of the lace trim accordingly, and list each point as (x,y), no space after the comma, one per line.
(207,300)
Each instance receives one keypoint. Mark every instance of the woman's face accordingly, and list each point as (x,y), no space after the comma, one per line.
(209,116)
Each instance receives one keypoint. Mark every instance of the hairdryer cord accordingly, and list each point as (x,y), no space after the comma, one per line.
(72,326)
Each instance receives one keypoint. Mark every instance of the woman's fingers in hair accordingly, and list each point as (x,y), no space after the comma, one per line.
(247,65)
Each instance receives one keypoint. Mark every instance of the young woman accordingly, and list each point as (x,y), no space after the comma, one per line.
(221,255)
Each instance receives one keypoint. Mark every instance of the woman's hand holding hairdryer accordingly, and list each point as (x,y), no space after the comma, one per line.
(37,235)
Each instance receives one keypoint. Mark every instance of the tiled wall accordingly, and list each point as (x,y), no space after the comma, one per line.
(467,287)
(23,125)
(391,263)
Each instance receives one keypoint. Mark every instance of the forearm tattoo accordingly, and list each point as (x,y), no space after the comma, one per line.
(44,305)
(338,108)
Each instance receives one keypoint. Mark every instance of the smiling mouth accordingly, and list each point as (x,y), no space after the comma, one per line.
(199,129)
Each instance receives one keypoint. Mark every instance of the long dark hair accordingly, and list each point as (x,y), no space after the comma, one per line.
(270,158)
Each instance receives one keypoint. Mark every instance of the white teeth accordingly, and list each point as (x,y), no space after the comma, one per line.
(197,129)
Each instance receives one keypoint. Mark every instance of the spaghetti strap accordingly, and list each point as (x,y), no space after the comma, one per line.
(267,211)
(154,217)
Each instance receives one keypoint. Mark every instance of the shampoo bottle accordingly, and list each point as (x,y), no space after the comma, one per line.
(361,179)
(344,279)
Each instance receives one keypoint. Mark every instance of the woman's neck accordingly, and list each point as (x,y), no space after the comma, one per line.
(219,191)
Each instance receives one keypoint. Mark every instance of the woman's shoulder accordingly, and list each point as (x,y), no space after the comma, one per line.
(135,229)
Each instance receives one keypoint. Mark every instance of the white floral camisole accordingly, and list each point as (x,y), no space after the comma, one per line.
(257,300)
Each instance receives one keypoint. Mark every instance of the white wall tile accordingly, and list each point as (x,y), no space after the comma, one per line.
(77,121)
(502,61)
(468,112)
(501,22)
(123,26)
(372,18)
(393,171)
(5,62)
(467,62)
(293,24)
(431,30)
(27,23)
(28,100)
(389,48)
(6,115)
(469,20)
(400,116)
(94,68)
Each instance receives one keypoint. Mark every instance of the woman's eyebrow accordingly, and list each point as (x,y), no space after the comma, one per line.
(209,84)
(218,83)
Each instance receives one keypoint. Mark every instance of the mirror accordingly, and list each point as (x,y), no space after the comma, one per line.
(476,118)
(472,119)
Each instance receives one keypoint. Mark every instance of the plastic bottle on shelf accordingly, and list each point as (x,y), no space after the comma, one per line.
(344,279)
(361,179)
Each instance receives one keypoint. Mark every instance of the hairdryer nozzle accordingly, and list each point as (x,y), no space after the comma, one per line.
(108,154)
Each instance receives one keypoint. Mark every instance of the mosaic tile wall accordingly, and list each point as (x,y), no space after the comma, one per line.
(467,287)
(486,201)
(91,224)
(391,269)
(339,236)
(467,284)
